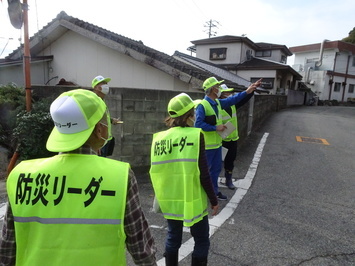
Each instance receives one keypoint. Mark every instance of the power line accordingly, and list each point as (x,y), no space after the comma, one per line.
(8,39)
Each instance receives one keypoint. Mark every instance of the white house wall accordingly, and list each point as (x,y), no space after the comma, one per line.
(342,62)
(302,58)
(319,83)
(338,95)
(275,56)
(234,52)
(88,59)
(15,74)
(318,78)
(12,74)
(327,62)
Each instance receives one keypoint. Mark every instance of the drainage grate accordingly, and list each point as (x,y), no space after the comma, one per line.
(312,140)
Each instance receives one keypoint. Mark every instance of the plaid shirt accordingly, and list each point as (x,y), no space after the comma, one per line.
(139,241)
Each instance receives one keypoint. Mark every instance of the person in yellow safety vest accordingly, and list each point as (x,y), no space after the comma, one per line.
(100,86)
(75,208)
(181,181)
(209,119)
(197,102)
(231,141)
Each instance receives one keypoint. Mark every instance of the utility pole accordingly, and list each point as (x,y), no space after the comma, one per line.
(210,25)
(26,69)
(27,58)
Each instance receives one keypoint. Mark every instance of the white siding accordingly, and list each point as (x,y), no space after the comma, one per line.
(236,52)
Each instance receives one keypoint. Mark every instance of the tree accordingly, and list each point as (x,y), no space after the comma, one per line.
(351,37)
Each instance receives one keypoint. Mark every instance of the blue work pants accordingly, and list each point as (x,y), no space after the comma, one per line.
(214,161)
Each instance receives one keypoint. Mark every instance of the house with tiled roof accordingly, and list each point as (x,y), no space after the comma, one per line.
(250,61)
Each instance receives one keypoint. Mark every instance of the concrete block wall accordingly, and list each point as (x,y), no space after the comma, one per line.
(264,105)
(243,115)
(143,113)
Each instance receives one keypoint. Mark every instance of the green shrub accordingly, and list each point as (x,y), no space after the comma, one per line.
(32,131)
(335,102)
(26,132)
(12,101)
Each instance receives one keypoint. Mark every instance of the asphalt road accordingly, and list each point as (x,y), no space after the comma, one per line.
(295,201)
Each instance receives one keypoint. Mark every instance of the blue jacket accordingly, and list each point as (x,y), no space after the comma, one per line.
(225,103)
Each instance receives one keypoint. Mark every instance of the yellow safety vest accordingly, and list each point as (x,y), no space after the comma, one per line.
(234,120)
(212,139)
(109,125)
(69,210)
(175,174)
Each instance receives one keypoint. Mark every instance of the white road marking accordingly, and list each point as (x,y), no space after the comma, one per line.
(242,188)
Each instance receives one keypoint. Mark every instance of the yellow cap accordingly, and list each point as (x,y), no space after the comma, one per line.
(180,104)
(99,79)
(210,82)
(75,114)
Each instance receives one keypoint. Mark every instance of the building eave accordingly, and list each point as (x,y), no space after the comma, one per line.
(335,45)
(40,59)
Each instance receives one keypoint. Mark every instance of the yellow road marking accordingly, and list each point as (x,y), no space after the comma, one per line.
(312,140)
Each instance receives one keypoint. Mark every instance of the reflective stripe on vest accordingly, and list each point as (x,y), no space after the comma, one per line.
(65,220)
(234,120)
(175,174)
(212,139)
(186,221)
(175,160)
(74,204)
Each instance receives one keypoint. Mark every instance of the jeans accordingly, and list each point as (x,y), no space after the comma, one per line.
(214,161)
(199,231)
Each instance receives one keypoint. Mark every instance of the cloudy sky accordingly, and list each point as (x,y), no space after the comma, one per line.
(170,25)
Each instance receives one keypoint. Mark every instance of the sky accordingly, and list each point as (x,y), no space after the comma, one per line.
(171,25)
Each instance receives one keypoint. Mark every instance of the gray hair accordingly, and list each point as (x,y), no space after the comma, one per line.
(208,91)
